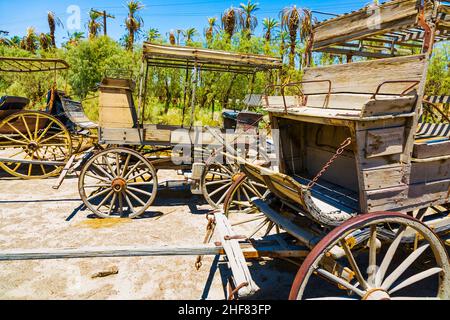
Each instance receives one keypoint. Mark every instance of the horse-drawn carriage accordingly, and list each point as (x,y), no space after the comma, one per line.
(353,153)
(122,181)
(38,144)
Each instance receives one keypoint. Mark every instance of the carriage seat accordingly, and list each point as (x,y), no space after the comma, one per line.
(13,103)
(432,141)
(355,90)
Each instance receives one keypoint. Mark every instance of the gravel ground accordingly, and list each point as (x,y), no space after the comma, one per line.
(34,216)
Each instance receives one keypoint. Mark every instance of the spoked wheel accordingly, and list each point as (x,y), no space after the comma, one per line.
(238,198)
(118,182)
(383,264)
(37,144)
(220,180)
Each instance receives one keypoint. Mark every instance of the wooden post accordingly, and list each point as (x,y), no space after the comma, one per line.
(194,91)
(105,16)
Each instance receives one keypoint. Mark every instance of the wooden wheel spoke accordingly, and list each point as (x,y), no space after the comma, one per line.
(130,205)
(220,189)
(98,167)
(98,178)
(36,127)
(94,196)
(216,182)
(45,131)
(139,175)
(222,174)
(388,257)
(133,168)
(353,264)
(125,166)
(117,164)
(21,143)
(42,142)
(140,191)
(27,128)
(109,195)
(372,255)
(113,203)
(16,130)
(403,266)
(135,197)
(416,278)
(105,159)
(331,277)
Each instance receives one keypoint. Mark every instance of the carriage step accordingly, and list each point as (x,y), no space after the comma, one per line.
(242,279)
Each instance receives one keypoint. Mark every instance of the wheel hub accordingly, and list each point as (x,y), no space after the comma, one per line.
(119,185)
(377,294)
(33,146)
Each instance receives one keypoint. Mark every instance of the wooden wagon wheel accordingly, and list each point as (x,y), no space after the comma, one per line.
(220,180)
(118,182)
(384,271)
(31,138)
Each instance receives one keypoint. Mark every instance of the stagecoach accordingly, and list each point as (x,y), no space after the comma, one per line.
(121,181)
(39,144)
(364,182)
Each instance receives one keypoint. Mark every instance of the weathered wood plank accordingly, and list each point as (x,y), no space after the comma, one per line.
(366,76)
(365,22)
(235,256)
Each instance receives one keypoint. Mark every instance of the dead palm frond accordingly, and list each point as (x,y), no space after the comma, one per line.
(290,22)
(45,41)
(53,22)
(231,21)
(31,40)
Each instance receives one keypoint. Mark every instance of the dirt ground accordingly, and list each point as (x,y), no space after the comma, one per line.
(34,216)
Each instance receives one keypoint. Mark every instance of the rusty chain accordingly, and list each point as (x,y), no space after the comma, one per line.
(339,152)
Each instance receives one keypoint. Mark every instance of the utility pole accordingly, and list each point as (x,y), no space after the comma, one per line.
(105,16)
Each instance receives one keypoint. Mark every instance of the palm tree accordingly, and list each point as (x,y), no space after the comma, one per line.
(290,21)
(306,35)
(270,24)
(283,37)
(190,34)
(15,41)
(250,22)
(45,41)
(30,40)
(53,21)
(94,25)
(209,32)
(74,39)
(133,22)
(153,35)
(231,21)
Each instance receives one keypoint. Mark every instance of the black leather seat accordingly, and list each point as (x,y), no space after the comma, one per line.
(13,103)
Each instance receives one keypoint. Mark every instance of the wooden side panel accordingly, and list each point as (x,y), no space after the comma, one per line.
(366,76)
(383,142)
(116,109)
(391,15)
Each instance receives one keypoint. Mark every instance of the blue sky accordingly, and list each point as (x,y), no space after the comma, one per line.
(17,15)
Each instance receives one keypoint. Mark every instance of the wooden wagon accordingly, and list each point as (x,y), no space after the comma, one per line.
(353,153)
(39,144)
(122,181)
